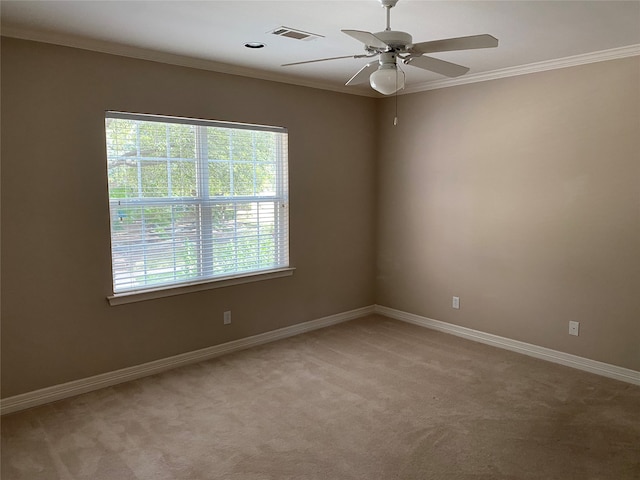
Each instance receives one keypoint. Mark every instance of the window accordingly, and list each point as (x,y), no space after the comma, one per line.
(193,201)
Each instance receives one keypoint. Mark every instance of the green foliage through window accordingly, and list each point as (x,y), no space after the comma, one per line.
(194,200)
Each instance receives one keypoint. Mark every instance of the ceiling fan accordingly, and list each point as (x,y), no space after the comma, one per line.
(384,75)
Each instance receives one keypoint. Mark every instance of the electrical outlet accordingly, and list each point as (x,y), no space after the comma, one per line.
(456,302)
(574,328)
(227,317)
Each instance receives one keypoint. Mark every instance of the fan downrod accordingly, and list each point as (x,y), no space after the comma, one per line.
(388,5)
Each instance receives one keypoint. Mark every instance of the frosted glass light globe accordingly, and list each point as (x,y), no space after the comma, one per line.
(387,80)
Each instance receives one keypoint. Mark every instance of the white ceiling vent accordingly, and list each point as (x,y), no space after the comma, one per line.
(295,34)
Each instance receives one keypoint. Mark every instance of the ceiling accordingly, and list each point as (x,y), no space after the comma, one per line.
(212,34)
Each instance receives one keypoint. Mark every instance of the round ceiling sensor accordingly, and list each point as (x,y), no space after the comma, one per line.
(254,45)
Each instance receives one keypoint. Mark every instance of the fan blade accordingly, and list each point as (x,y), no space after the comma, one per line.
(460,43)
(447,69)
(363,74)
(322,60)
(368,38)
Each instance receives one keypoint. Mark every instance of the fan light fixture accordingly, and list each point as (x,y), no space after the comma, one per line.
(391,46)
(387,79)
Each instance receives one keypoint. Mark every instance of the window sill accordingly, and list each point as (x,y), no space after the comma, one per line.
(142,295)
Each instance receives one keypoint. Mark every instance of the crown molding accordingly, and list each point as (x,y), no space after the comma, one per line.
(172,59)
(575,60)
(191,62)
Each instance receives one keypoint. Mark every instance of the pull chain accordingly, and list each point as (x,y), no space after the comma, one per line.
(395,119)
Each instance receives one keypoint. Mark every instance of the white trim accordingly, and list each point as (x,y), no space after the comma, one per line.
(593,57)
(152,117)
(172,59)
(141,296)
(96,382)
(581,363)
(84,385)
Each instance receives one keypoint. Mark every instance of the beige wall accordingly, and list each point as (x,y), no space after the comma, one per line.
(522,197)
(56,323)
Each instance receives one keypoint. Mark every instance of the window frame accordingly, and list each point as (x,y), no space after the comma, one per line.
(206,278)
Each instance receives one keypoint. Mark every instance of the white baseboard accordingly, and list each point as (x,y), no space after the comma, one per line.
(581,363)
(84,385)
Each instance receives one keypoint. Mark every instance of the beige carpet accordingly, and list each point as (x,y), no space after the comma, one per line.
(369,399)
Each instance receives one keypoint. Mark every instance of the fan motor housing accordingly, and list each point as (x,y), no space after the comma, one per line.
(395,39)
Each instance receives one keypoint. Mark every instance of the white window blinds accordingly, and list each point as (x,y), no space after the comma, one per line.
(194,200)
